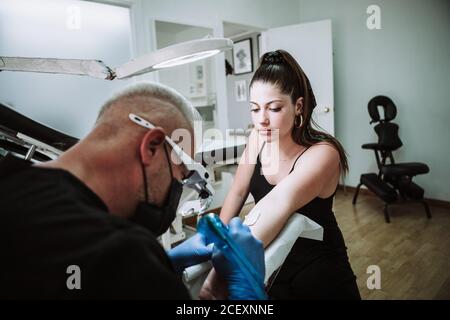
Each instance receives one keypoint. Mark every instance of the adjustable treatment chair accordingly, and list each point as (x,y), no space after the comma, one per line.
(393,180)
(29,139)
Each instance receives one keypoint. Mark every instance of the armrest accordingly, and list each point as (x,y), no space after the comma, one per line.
(372,146)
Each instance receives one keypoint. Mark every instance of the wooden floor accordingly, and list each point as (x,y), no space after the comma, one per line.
(413,252)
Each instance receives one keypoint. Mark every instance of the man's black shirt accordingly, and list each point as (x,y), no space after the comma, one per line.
(50,220)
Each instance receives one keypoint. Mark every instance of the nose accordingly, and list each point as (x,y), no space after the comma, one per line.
(263,118)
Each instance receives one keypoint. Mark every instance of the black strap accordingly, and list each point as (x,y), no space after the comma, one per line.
(293,166)
(258,161)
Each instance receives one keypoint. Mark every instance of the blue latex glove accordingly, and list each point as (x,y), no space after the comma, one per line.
(239,287)
(190,252)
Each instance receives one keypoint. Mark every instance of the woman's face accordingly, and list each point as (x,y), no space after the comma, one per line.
(271,110)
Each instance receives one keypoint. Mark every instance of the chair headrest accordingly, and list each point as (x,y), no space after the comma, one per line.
(17,122)
(390,110)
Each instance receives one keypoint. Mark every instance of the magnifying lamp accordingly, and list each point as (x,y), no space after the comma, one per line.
(171,56)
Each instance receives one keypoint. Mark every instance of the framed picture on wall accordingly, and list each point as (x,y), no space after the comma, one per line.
(241,90)
(259,45)
(197,88)
(242,56)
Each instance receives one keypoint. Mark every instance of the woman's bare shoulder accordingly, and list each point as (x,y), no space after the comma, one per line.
(324,148)
(322,154)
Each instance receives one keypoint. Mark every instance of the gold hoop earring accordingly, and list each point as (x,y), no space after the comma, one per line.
(297,125)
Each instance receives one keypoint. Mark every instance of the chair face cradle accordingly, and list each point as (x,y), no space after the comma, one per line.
(394,180)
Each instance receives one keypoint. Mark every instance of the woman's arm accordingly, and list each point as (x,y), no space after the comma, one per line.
(316,173)
(239,190)
(215,287)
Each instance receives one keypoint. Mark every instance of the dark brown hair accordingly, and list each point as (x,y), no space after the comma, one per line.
(282,70)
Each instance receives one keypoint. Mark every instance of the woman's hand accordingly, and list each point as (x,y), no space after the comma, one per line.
(214,287)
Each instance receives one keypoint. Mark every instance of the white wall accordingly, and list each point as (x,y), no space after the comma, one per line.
(407,60)
(212,13)
(262,13)
(239,111)
(179,77)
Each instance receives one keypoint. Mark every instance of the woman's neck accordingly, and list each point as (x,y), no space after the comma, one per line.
(288,148)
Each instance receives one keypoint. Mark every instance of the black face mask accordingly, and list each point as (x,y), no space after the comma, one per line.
(154,218)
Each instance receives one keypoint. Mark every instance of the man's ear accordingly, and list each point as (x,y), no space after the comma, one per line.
(299,106)
(152,142)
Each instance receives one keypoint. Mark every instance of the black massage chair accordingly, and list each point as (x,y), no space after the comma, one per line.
(393,180)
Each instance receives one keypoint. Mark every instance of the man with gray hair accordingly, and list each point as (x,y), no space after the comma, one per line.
(85,224)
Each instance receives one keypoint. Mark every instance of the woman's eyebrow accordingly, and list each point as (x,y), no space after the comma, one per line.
(268,103)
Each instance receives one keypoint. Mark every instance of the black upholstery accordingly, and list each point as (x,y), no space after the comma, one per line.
(383,190)
(393,179)
(12,123)
(388,137)
(390,111)
(405,169)
(17,122)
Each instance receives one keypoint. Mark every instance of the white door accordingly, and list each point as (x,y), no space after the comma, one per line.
(311,45)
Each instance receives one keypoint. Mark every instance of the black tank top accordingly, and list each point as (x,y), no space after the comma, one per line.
(318,209)
(329,255)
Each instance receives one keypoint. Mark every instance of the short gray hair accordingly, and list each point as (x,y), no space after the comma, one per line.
(159,91)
